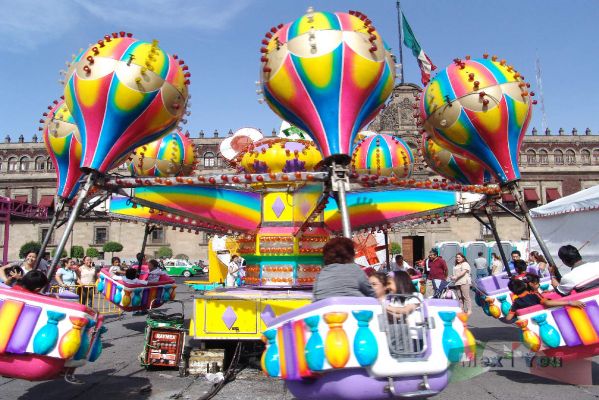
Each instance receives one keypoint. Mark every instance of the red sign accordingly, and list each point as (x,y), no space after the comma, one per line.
(164,349)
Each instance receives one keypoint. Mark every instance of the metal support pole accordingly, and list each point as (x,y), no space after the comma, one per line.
(387,249)
(498,241)
(6,235)
(400,31)
(51,229)
(340,183)
(148,229)
(514,190)
(89,181)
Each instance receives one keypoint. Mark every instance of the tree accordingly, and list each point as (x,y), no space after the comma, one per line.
(394,248)
(29,247)
(92,252)
(77,251)
(112,247)
(63,255)
(182,257)
(164,252)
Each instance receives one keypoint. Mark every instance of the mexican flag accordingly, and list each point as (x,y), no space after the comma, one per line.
(425,63)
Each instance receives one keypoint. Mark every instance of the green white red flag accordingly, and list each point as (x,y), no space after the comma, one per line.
(425,63)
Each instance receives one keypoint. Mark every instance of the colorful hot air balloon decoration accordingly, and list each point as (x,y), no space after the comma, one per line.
(171,155)
(124,93)
(479,109)
(63,143)
(383,155)
(328,74)
(276,155)
(452,166)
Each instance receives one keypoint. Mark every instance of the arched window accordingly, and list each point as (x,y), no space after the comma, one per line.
(559,157)
(49,165)
(543,157)
(12,164)
(585,156)
(570,157)
(595,156)
(531,157)
(40,163)
(209,159)
(24,163)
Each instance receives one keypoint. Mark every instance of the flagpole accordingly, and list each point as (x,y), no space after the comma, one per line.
(400,40)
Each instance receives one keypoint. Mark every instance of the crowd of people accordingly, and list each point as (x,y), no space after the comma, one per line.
(341,276)
(76,276)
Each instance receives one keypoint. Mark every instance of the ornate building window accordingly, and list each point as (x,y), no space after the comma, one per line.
(543,157)
(49,165)
(12,164)
(570,157)
(40,163)
(100,234)
(559,157)
(531,157)
(585,156)
(209,160)
(595,156)
(24,164)
(157,236)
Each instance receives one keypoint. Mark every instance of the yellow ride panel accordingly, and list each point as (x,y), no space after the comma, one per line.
(238,314)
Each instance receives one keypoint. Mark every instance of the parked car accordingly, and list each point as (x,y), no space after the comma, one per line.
(179,267)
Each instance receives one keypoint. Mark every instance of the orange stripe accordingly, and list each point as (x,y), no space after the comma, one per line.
(300,345)
(282,360)
(583,325)
(9,315)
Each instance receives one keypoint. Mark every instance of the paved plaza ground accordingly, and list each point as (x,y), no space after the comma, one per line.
(118,375)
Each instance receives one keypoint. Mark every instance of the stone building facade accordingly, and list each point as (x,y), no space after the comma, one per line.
(553,164)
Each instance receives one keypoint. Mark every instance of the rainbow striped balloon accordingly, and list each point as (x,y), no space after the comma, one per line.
(61,137)
(479,109)
(171,155)
(123,93)
(452,166)
(383,155)
(328,74)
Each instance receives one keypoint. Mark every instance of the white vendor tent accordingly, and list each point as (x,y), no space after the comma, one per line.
(571,220)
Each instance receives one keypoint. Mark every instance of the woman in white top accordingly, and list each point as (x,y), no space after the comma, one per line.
(462,281)
(540,262)
(496,265)
(233,271)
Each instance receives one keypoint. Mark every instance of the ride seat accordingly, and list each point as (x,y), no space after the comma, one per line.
(407,334)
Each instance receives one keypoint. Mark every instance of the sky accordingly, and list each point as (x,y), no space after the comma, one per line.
(220,41)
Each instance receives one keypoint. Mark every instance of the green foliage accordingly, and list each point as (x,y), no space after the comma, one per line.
(29,247)
(182,257)
(77,251)
(63,255)
(112,247)
(92,252)
(394,248)
(164,252)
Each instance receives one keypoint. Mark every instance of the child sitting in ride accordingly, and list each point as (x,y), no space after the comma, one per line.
(33,281)
(130,278)
(528,296)
(155,272)
(10,274)
(520,266)
(400,306)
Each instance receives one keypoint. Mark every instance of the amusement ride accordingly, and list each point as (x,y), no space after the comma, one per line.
(328,75)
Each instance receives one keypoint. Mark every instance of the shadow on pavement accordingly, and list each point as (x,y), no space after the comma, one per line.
(136,326)
(99,385)
(524,377)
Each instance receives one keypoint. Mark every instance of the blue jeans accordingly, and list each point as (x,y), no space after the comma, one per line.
(481,273)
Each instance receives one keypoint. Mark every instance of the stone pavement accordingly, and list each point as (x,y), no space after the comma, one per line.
(118,375)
